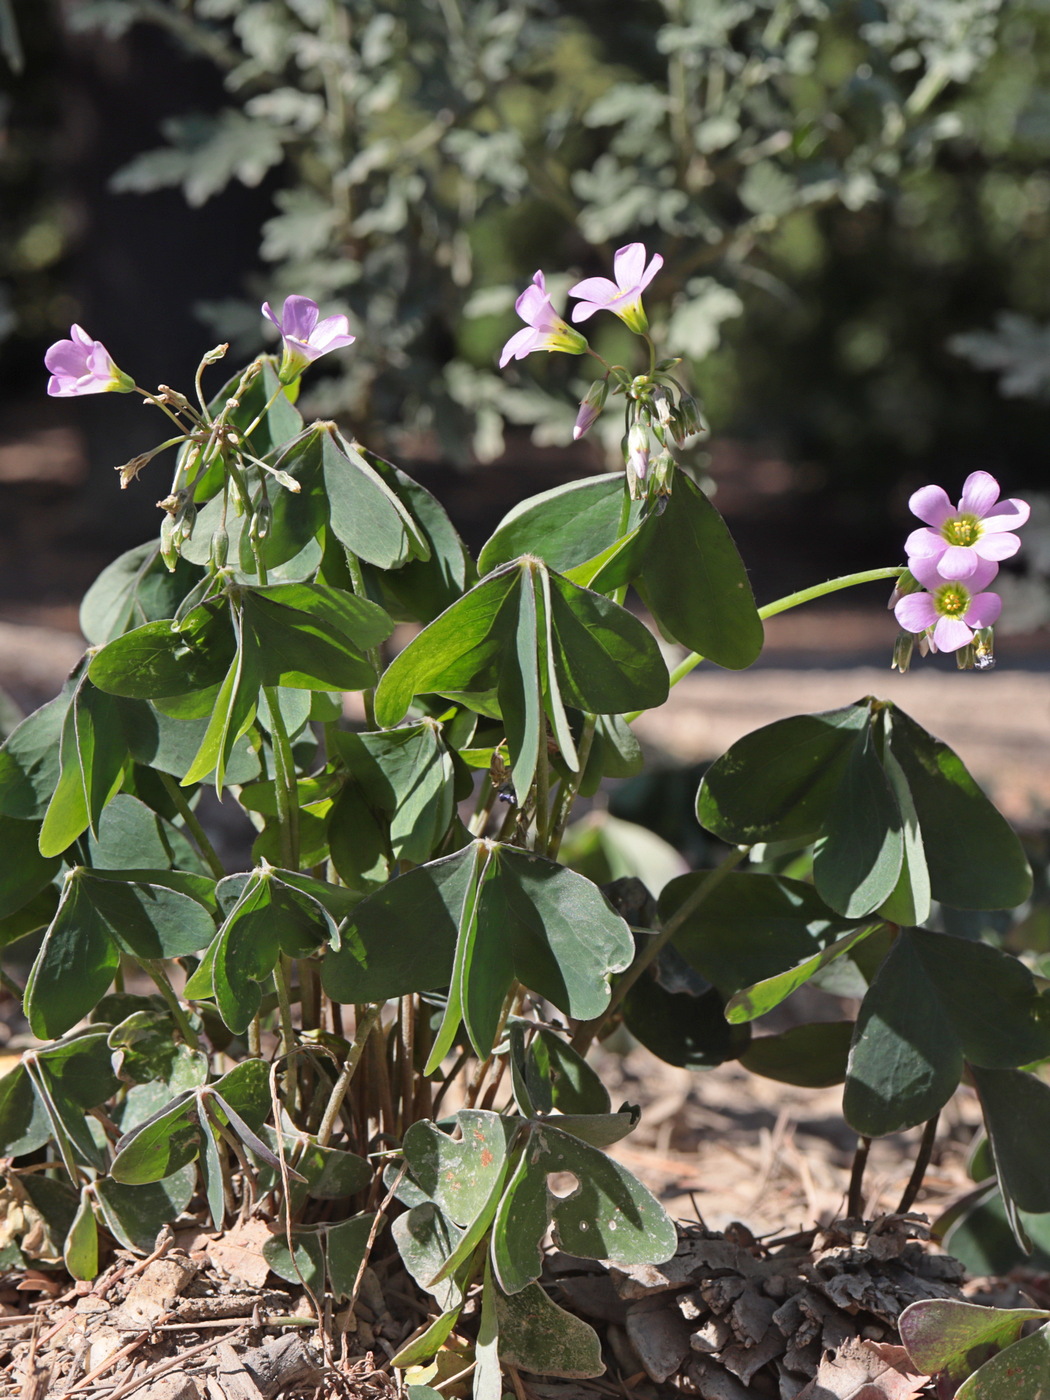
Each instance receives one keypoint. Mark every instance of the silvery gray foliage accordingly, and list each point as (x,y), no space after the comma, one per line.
(427,148)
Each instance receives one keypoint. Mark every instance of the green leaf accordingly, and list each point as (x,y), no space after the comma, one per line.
(610,1215)
(133,837)
(159,1146)
(408,774)
(909,904)
(422,588)
(459,1175)
(303,1265)
(29,759)
(813,1055)
(422,1347)
(269,918)
(346,1248)
(564,527)
(778,782)
(857,862)
(310,637)
(426,1239)
(948,1335)
(81,1249)
(158,659)
(233,712)
(1021,1370)
(761,997)
(75,965)
(24,872)
(694,580)
(135,1215)
(459,652)
(559,1078)
(937,999)
(24,1124)
(750,927)
(366,515)
(536,1335)
(134,589)
(358,841)
(1016,1108)
(532,919)
(975,858)
(680,1027)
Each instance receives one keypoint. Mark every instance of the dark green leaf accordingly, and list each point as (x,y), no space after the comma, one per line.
(24,872)
(423,588)
(426,1239)
(408,774)
(750,927)
(682,1029)
(365,514)
(564,526)
(160,1146)
(974,857)
(157,660)
(346,1248)
(303,1265)
(134,589)
(1016,1109)
(813,1055)
(75,965)
(857,861)
(135,1215)
(695,582)
(24,1124)
(29,759)
(536,1335)
(560,1078)
(777,783)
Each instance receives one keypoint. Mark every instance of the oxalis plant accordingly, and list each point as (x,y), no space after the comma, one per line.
(407,941)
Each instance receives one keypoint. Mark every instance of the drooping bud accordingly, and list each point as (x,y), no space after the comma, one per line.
(906,583)
(638,450)
(902,652)
(590,407)
(690,420)
(220,547)
(262,519)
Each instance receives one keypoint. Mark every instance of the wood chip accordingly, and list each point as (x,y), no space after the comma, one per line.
(237,1252)
(660,1336)
(865,1371)
(230,1380)
(155,1290)
(174,1386)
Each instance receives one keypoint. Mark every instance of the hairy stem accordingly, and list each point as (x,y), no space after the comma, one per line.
(155,970)
(918,1171)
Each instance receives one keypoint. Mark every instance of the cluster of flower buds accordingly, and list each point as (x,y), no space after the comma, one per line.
(940,601)
(81,366)
(659,411)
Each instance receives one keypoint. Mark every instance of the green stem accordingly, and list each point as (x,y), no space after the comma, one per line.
(791,600)
(363,1030)
(587,1031)
(357,579)
(285,787)
(193,826)
(567,793)
(155,971)
(282,980)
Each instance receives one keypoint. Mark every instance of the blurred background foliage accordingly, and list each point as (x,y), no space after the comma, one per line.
(852,199)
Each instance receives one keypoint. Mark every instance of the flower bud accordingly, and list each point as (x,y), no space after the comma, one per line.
(907,583)
(185,522)
(220,547)
(690,419)
(984,655)
(590,407)
(262,519)
(638,450)
(902,651)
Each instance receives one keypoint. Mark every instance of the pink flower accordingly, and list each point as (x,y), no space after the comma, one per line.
(624,296)
(83,366)
(544,329)
(952,610)
(305,337)
(959,539)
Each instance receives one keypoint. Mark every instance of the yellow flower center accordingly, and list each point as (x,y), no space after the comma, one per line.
(962,530)
(952,600)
